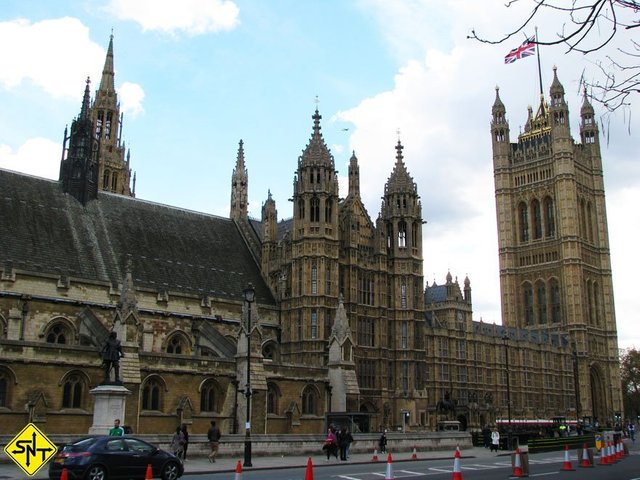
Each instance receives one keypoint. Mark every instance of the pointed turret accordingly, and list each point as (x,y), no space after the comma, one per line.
(114,170)
(107,80)
(467,290)
(354,177)
(588,125)
(239,187)
(559,111)
(316,152)
(499,132)
(79,168)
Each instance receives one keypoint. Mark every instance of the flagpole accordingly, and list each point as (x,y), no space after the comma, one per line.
(539,68)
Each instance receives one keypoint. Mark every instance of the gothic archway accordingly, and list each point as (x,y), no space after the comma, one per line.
(598,397)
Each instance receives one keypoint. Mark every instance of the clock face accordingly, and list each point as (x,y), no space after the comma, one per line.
(459,315)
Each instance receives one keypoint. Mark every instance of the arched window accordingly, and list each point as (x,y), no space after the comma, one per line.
(589,222)
(105,179)
(314,280)
(151,395)
(114,182)
(328,208)
(596,304)
(537,219)
(309,401)
(4,389)
(556,313)
(414,235)
(523,216)
(301,208)
(314,324)
(549,218)
(315,209)
(541,302)
(389,236)
(272,399)
(177,344)
(583,219)
(58,333)
(402,234)
(208,397)
(270,351)
(72,392)
(527,302)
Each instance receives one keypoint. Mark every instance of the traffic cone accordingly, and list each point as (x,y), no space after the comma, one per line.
(620,450)
(517,465)
(64,475)
(612,454)
(566,466)
(586,461)
(389,474)
(414,455)
(149,474)
(375,455)
(238,471)
(604,456)
(309,473)
(457,472)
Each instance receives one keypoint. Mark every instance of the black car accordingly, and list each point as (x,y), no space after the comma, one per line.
(109,458)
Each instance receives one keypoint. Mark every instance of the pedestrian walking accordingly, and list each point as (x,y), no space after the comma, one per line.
(330,445)
(214,440)
(495,440)
(344,440)
(177,443)
(382,442)
(185,432)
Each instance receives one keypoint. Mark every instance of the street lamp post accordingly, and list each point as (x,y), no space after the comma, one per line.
(505,339)
(249,297)
(576,385)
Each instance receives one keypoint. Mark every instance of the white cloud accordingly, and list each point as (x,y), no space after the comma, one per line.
(131,96)
(194,17)
(55,55)
(37,156)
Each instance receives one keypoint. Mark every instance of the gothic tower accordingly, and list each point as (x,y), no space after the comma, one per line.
(114,170)
(239,187)
(555,267)
(79,163)
(308,311)
(401,218)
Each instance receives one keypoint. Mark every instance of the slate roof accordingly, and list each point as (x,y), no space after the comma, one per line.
(435,294)
(44,230)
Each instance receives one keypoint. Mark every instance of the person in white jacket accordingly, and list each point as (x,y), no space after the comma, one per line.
(495,440)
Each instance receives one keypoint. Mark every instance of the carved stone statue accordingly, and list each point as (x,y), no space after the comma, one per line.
(111,354)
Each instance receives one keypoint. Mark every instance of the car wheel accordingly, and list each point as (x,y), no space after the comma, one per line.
(96,472)
(170,471)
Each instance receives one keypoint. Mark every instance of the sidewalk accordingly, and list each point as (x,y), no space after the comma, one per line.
(200,464)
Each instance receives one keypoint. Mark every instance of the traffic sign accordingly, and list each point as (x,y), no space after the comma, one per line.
(30,449)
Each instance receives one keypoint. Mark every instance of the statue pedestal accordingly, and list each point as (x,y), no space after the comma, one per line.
(110,402)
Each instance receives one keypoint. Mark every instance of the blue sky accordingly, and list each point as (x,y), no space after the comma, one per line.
(196,76)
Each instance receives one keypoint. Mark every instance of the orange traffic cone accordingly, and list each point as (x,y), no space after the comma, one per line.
(389,473)
(149,474)
(457,472)
(414,455)
(238,471)
(620,450)
(375,455)
(517,465)
(64,475)
(566,466)
(586,461)
(309,473)
(612,454)
(604,456)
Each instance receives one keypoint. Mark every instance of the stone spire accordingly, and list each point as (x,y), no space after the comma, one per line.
(239,187)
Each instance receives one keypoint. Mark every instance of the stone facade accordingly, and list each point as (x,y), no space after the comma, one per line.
(341,320)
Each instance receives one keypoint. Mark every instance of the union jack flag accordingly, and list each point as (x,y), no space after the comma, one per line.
(526,49)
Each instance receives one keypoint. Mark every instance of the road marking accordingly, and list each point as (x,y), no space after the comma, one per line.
(409,472)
